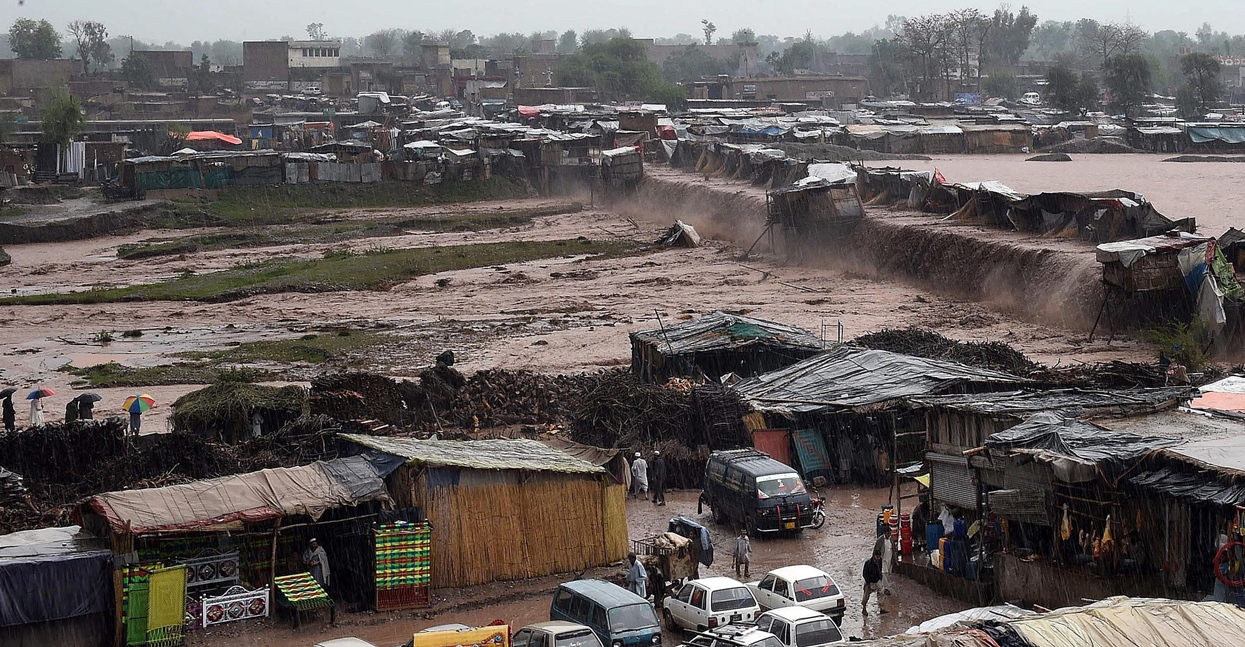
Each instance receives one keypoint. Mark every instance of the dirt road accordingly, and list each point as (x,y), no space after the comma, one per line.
(840,548)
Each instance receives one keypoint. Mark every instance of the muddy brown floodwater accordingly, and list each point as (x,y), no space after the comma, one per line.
(839,548)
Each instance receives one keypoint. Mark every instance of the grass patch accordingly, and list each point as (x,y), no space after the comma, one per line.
(338,271)
(112,374)
(320,233)
(311,349)
(253,206)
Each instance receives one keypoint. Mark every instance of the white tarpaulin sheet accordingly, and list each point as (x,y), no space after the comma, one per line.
(832,173)
(1128,622)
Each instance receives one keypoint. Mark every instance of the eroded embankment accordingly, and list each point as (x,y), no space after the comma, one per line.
(77,228)
(1013,274)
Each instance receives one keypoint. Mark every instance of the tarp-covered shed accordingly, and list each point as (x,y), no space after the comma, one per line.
(717,344)
(506,509)
(55,588)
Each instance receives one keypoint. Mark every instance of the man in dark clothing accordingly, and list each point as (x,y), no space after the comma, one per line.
(86,409)
(659,479)
(873,582)
(71,411)
(10,415)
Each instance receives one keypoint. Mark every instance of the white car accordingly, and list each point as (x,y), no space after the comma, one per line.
(800,586)
(1031,98)
(734,636)
(800,627)
(555,633)
(710,603)
(345,642)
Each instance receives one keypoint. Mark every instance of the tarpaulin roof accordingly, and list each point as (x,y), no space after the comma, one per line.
(1227,394)
(1077,402)
(1226,133)
(720,330)
(517,454)
(848,377)
(1131,251)
(833,173)
(1128,622)
(256,496)
(994,613)
(598,456)
(52,574)
(1053,439)
(209,135)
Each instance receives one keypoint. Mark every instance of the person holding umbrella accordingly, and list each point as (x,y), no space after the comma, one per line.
(10,414)
(36,405)
(86,405)
(137,405)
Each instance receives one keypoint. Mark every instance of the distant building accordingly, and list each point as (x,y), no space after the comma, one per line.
(747,54)
(171,68)
(829,91)
(266,65)
(314,53)
(24,76)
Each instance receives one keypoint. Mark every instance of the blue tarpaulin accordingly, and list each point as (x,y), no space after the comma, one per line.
(1226,134)
(814,457)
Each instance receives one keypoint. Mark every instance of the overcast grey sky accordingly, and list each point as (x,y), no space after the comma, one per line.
(185,21)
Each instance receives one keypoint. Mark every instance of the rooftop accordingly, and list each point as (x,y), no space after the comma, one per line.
(517,454)
(720,330)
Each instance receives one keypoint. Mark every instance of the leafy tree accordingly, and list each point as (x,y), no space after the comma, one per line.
(1001,83)
(1127,77)
(92,41)
(412,44)
(1202,87)
(1070,91)
(201,77)
(693,63)
(34,40)
(619,70)
(1010,35)
(315,31)
(709,28)
(744,35)
(384,42)
(888,66)
(137,71)
(799,56)
(1050,39)
(568,42)
(62,119)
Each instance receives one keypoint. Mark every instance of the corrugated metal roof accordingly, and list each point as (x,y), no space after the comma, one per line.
(1077,401)
(517,454)
(720,330)
(848,377)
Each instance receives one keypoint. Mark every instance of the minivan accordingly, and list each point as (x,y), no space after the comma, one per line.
(748,487)
(619,617)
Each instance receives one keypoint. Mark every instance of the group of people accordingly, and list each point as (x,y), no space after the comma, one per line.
(639,473)
(79,408)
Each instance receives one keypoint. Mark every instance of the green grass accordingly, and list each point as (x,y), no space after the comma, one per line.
(340,271)
(333,232)
(210,367)
(252,206)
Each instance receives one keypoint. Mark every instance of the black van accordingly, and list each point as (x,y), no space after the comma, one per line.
(747,486)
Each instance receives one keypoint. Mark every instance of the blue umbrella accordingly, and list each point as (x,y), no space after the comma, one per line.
(40,393)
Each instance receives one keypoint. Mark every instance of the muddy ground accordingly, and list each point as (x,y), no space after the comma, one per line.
(840,548)
(557,315)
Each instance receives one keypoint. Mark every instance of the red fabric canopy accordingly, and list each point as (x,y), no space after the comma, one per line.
(206,135)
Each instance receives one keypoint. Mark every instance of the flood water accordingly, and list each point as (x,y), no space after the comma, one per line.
(1208,191)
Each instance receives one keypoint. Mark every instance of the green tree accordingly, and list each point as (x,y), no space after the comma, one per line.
(62,119)
(384,42)
(315,31)
(619,70)
(709,28)
(1050,39)
(888,67)
(34,40)
(1202,87)
(137,71)
(412,44)
(690,64)
(799,56)
(201,77)
(1070,91)
(1009,35)
(92,41)
(568,42)
(744,35)
(1001,83)
(1127,77)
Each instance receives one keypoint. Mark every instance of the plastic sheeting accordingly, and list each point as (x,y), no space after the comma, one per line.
(1071,446)
(720,331)
(1219,133)
(1128,622)
(50,587)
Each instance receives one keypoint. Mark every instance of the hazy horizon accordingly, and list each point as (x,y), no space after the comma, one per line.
(157,21)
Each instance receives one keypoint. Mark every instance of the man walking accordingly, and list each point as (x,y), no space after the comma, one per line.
(659,479)
(639,476)
(873,582)
(318,561)
(743,552)
(9,414)
(637,577)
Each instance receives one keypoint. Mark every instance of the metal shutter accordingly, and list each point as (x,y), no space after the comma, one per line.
(950,481)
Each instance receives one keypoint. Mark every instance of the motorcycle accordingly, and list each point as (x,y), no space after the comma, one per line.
(819,510)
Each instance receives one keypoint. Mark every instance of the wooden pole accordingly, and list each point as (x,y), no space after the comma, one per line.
(272,564)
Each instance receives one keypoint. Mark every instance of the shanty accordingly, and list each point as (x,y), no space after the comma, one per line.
(719,344)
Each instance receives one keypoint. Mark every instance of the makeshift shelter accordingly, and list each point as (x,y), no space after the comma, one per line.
(622,168)
(1181,277)
(612,460)
(203,537)
(208,139)
(815,213)
(506,509)
(55,588)
(1100,217)
(680,234)
(997,138)
(717,344)
(235,411)
(847,411)
(202,170)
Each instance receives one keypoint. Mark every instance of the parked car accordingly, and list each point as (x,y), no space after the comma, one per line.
(344,642)
(617,616)
(734,636)
(800,586)
(555,633)
(801,627)
(1031,98)
(748,487)
(710,603)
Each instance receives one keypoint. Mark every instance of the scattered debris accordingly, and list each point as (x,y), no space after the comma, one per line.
(680,234)
(1050,157)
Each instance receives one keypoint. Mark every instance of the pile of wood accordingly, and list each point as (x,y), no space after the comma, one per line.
(918,342)
(358,396)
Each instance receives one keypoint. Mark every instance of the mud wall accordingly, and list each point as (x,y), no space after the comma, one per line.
(1058,287)
(102,224)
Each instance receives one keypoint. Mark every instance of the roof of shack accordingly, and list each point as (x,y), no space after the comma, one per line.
(1072,401)
(516,454)
(848,377)
(724,331)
